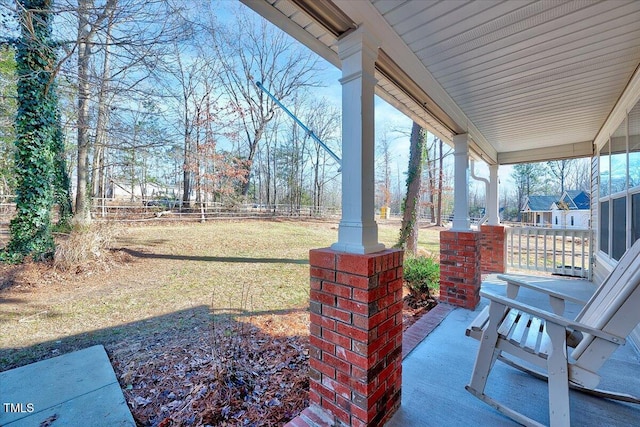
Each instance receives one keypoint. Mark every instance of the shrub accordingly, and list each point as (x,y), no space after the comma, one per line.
(82,245)
(421,274)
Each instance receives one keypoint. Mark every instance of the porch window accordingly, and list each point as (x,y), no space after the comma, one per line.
(634,147)
(604,171)
(634,170)
(619,228)
(604,227)
(635,217)
(619,187)
(618,169)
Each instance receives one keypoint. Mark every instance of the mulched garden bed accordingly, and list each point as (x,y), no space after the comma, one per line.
(230,374)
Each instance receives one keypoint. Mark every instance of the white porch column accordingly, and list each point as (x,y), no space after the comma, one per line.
(493,205)
(461,221)
(358,231)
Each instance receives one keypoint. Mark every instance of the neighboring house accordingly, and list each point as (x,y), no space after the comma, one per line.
(537,210)
(572,210)
(121,190)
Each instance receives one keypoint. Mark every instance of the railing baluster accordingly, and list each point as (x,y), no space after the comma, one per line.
(535,248)
(544,252)
(520,249)
(573,255)
(552,261)
(554,251)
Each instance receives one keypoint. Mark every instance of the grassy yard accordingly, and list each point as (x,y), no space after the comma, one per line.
(167,278)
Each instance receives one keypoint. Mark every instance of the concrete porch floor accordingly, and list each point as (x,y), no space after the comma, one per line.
(437,370)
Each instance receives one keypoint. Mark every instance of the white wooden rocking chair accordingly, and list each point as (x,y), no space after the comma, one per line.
(570,352)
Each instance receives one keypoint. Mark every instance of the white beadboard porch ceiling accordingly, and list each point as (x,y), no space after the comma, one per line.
(528,80)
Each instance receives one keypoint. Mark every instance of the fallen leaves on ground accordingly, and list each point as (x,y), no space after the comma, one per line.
(232,374)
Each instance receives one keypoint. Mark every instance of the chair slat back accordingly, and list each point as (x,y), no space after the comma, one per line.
(614,306)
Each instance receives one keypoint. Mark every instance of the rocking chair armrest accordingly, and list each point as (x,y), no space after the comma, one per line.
(550,317)
(525,284)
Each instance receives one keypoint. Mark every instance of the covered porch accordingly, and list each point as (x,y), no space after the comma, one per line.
(436,371)
(502,83)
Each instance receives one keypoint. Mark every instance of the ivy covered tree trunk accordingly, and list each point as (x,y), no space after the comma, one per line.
(408,239)
(37,128)
(62,181)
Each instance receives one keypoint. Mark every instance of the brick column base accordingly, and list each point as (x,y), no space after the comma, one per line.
(356,336)
(493,248)
(460,268)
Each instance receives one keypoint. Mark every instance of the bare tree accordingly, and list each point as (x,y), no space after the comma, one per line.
(324,120)
(440,182)
(430,159)
(90,20)
(561,169)
(98,169)
(579,177)
(250,51)
(384,150)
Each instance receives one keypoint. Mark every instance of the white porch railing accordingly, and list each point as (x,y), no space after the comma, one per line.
(554,250)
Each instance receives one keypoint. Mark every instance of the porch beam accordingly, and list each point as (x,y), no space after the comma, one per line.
(461,221)
(556,152)
(358,231)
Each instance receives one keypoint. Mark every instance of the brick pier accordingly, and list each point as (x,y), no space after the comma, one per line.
(460,268)
(355,338)
(494,248)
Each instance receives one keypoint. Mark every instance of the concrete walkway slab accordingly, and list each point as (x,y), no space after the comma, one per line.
(75,389)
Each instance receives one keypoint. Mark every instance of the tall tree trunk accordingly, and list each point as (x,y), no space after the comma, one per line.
(275,179)
(432,188)
(440,183)
(186,166)
(316,181)
(82,214)
(268,183)
(36,130)
(408,239)
(253,146)
(99,154)
(86,31)
(62,187)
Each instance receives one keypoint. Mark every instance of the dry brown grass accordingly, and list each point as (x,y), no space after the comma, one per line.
(223,304)
(84,245)
(255,269)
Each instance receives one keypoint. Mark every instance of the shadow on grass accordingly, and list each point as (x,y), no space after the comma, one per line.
(231,365)
(145,242)
(139,254)
(9,273)
(164,328)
